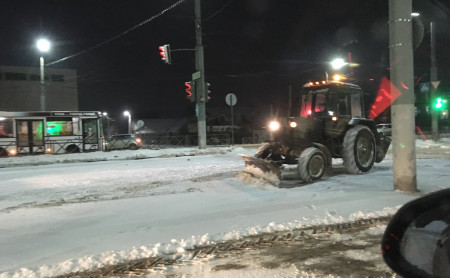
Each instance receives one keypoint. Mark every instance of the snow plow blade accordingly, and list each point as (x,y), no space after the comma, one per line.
(260,169)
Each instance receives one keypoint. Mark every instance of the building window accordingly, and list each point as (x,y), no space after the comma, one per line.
(57,78)
(37,77)
(15,76)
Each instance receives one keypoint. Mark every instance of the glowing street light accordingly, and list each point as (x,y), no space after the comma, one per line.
(43,46)
(126,113)
(338,63)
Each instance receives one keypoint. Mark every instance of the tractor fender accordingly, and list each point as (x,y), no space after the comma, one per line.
(382,147)
(326,152)
(366,122)
(381,141)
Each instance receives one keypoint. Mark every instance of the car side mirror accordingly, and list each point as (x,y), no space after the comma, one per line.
(416,242)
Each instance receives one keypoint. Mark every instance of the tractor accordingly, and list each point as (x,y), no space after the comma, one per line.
(325,120)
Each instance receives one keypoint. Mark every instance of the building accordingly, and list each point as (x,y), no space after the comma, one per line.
(20,89)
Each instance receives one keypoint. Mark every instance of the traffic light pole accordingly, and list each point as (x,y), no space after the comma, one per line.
(200,86)
(402,110)
(433,78)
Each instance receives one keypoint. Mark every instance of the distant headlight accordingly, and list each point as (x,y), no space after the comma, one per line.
(138,140)
(274,126)
(12,152)
(293,124)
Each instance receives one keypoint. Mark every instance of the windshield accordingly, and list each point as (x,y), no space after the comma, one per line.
(316,103)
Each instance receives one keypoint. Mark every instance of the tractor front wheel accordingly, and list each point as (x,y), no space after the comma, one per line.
(359,150)
(311,164)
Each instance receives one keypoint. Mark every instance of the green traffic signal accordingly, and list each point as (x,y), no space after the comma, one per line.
(439,103)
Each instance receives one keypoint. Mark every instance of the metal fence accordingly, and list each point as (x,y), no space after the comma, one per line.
(155,141)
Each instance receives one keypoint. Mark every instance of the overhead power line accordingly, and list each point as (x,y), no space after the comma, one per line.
(218,11)
(120,35)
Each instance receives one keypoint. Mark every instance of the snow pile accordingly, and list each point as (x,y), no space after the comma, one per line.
(44,159)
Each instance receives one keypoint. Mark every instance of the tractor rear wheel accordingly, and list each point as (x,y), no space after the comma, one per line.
(311,164)
(359,149)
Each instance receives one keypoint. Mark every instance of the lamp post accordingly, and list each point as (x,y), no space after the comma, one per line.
(44,46)
(105,114)
(126,113)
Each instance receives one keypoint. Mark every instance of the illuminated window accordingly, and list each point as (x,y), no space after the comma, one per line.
(321,103)
(59,127)
(306,106)
(6,127)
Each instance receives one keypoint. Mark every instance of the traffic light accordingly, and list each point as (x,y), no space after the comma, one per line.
(165,53)
(190,90)
(439,103)
(208,91)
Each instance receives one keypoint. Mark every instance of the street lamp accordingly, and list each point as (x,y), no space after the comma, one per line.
(126,113)
(338,63)
(44,46)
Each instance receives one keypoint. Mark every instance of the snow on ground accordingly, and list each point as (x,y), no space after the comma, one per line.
(60,214)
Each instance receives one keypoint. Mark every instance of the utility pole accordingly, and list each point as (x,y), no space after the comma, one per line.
(200,83)
(289,100)
(402,110)
(433,78)
(42,84)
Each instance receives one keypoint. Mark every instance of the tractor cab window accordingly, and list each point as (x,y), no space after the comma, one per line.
(315,104)
(342,106)
(306,105)
(357,110)
(321,105)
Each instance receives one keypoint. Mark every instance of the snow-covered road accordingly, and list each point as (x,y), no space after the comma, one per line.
(67,217)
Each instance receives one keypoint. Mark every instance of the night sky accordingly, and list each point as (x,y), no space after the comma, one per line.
(253,48)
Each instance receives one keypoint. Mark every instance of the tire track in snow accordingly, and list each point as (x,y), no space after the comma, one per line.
(228,251)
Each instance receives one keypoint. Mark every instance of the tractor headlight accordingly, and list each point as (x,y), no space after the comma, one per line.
(274,126)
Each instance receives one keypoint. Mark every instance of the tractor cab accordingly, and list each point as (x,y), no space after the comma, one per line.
(328,99)
(322,112)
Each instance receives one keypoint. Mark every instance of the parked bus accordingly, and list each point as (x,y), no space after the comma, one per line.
(50,132)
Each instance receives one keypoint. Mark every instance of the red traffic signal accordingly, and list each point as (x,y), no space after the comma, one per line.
(190,90)
(165,53)
(208,91)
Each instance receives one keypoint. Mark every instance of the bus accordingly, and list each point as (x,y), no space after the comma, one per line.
(53,132)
